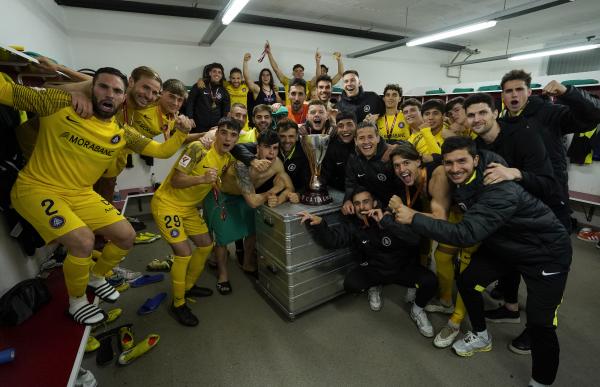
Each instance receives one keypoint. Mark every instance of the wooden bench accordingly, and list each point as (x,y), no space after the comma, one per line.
(588,202)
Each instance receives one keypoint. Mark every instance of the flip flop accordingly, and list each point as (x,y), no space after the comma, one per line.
(151,304)
(106,351)
(144,346)
(224,288)
(125,338)
(147,279)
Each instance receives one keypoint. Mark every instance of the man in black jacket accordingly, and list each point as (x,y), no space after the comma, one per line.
(209,104)
(341,146)
(358,101)
(517,232)
(388,252)
(367,167)
(575,111)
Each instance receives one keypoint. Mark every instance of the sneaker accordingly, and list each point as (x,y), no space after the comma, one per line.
(184,315)
(145,237)
(411,294)
(375,298)
(472,343)
(129,275)
(422,322)
(445,336)
(437,306)
(588,235)
(198,291)
(521,345)
(502,315)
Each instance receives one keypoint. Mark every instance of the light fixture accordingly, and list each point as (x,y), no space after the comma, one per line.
(450,33)
(233,8)
(557,51)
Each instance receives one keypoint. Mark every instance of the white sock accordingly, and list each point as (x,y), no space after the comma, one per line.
(77,302)
(533,383)
(96,280)
(416,309)
(483,334)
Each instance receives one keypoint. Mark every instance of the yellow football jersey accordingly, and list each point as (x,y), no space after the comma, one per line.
(193,161)
(393,127)
(148,121)
(237,95)
(286,85)
(248,136)
(427,143)
(71,152)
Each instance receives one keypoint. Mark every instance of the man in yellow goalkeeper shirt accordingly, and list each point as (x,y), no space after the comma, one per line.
(54,190)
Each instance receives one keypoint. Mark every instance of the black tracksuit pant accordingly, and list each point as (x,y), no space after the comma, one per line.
(545,286)
(363,277)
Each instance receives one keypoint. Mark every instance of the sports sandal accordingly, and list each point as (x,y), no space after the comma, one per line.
(144,346)
(588,235)
(88,314)
(151,304)
(146,279)
(125,338)
(224,288)
(160,265)
(106,292)
(106,352)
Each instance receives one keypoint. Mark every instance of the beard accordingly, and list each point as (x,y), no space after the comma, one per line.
(100,112)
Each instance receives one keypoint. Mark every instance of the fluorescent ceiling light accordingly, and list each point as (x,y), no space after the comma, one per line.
(233,8)
(453,32)
(554,52)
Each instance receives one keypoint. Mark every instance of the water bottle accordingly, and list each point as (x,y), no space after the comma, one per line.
(117,194)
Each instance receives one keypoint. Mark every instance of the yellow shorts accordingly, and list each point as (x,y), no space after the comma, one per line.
(54,213)
(176,223)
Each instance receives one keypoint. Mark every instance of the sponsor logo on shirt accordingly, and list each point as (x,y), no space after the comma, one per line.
(174,233)
(381,177)
(367,108)
(87,144)
(462,206)
(386,241)
(361,174)
(184,161)
(72,120)
(57,221)
(291,167)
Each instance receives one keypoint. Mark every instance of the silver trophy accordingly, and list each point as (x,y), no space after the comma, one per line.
(315,147)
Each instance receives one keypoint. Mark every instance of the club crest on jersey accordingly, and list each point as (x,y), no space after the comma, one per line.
(381,177)
(367,108)
(115,139)
(386,241)
(401,125)
(291,167)
(184,161)
(244,89)
(57,221)
(174,233)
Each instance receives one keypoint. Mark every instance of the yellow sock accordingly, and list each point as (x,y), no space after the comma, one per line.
(77,272)
(445,270)
(178,270)
(111,256)
(196,266)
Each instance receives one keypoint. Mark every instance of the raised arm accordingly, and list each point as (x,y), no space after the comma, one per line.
(251,84)
(147,147)
(280,75)
(49,66)
(182,176)
(340,68)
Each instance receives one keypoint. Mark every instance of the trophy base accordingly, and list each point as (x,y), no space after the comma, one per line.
(318,198)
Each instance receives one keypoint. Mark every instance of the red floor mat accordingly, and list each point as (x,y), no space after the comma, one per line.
(46,345)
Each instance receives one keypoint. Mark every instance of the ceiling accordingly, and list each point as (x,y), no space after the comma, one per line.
(565,23)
